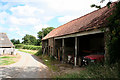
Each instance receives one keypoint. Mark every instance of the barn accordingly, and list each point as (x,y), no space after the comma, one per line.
(6,46)
(78,37)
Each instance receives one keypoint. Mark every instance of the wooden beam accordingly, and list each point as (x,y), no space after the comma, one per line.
(63,44)
(53,46)
(75,58)
(80,34)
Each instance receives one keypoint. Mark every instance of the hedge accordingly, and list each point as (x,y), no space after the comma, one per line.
(29,47)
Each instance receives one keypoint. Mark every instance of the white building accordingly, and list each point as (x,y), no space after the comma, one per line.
(6,46)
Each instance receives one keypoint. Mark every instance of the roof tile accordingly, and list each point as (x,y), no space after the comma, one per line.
(89,21)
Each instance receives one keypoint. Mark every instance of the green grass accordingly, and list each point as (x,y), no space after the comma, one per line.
(6,60)
(6,57)
(49,61)
(95,71)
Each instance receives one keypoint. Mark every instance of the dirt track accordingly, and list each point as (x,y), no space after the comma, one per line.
(27,67)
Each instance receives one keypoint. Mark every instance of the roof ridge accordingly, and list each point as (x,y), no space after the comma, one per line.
(81,16)
(74,25)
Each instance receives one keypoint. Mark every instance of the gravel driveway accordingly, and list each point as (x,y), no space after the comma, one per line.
(27,67)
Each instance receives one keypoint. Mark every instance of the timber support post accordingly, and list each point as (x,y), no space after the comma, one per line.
(75,58)
(63,44)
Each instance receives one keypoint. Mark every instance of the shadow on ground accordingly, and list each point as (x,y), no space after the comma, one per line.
(25,72)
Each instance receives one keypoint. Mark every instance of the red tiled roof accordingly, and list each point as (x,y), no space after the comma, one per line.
(87,22)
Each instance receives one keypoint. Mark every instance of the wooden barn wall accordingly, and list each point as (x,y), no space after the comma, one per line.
(45,47)
(51,45)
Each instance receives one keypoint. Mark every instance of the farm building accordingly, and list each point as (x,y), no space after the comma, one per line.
(78,37)
(6,46)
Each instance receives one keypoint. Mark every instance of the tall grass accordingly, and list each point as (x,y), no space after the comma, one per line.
(39,53)
(96,71)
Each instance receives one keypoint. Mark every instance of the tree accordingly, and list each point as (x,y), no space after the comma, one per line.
(43,33)
(14,41)
(29,40)
(99,7)
(113,42)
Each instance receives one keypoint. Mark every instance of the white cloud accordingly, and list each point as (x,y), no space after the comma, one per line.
(3,17)
(48,18)
(21,1)
(66,19)
(26,11)
(40,26)
(69,5)
(14,29)
(27,16)
(22,21)
(1,29)
(23,33)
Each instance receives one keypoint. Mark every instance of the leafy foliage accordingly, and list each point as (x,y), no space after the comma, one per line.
(39,52)
(19,46)
(29,40)
(113,35)
(113,40)
(43,33)
(14,41)
(96,6)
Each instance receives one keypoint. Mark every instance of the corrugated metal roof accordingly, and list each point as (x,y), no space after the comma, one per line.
(87,22)
(4,41)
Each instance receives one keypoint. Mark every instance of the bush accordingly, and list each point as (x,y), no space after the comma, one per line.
(39,52)
(19,46)
(31,47)
(103,71)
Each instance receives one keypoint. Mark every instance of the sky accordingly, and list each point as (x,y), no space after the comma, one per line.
(21,17)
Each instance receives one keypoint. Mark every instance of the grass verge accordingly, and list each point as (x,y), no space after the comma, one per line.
(48,61)
(8,59)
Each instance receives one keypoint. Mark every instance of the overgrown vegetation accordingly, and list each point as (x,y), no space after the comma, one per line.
(29,47)
(49,61)
(95,71)
(14,41)
(43,33)
(113,35)
(39,53)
